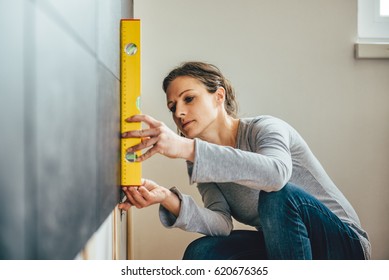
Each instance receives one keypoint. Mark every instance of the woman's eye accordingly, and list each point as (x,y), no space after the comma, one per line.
(172,109)
(188,99)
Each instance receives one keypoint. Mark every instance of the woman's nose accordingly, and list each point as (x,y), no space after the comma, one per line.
(180,111)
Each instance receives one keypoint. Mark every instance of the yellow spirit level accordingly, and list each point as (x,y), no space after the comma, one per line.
(130,90)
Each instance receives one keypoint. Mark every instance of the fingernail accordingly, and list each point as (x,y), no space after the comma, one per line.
(124,189)
(124,134)
(129,150)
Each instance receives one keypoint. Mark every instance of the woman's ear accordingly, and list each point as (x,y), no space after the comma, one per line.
(220,95)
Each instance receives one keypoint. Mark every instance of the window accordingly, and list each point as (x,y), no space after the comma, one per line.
(373,20)
(384,8)
(373,29)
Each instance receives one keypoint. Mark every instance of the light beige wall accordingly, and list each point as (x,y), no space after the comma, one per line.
(291,59)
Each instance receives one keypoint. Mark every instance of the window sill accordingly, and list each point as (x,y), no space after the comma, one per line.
(372,50)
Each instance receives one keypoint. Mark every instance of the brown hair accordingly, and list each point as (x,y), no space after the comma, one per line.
(210,76)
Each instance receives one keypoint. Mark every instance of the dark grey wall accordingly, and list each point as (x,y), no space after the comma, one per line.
(59,123)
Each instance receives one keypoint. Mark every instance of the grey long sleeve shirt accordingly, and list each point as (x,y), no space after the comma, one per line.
(269,153)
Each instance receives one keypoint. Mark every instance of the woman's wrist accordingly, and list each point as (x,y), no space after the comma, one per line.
(188,149)
(171,202)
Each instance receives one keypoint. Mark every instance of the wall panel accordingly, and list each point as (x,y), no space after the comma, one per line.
(66,144)
(59,113)
(77,18)
(12,196)
(108,140)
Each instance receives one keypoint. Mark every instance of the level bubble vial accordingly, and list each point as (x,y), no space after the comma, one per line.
(131,49)
(131,157)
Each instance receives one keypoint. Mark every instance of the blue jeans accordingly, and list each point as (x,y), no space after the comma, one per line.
(294,225)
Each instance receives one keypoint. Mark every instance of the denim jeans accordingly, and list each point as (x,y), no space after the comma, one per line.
(294,225)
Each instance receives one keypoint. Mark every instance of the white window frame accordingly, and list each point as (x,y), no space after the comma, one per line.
(373,31)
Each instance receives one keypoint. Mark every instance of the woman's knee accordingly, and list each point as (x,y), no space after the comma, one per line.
(240,244)
(273,207)
(211,248)
(268,200)
(199,249)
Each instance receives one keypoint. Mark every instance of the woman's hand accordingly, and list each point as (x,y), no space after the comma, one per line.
(149,193)
(160,139)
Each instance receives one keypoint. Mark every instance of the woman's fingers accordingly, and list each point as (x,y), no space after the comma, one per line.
(149,184)
(143,133)
(159,138)
(149,154)
(125,205)
(135,197)
(129,195)
(145,194)
(148,193)
(145,143)
(144,118)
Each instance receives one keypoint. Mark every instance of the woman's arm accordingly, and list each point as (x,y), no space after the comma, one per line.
(181,211)
(214,219)
(266,166)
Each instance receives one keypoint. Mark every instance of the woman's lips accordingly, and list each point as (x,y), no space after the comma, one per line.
(186,124)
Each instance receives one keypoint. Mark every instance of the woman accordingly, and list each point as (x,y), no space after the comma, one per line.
(258,170)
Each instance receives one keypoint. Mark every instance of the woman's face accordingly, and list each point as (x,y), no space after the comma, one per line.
(194,109)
